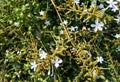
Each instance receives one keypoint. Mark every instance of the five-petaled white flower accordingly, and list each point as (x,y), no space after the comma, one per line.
(33,65)
(117,36)
(56,62)
(77,1)
(100,59)
(117,19)
(42,54)
(41,12)
(65,22)
(98,26)
(112,4)
(72,28)
(47,22)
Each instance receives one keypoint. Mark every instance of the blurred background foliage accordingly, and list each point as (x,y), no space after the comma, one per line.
(24,29)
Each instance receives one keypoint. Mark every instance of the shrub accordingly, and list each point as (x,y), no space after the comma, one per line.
(60,40)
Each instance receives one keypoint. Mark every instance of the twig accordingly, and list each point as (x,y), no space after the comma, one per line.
(68,36)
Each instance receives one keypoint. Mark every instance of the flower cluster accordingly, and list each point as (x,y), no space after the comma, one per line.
(56,62)
(42,55)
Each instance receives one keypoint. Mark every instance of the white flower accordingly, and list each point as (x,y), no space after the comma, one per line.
(117,35)
(33,65)
(98,26)
(56,62)
(42,54)
(100,59)
(77,1)
(41,12)
(47,22)
(72,28)
(61,32)
(112,4)
(65,22)
(101,6)
(117,19)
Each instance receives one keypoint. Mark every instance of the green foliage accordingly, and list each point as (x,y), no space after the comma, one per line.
(42,31)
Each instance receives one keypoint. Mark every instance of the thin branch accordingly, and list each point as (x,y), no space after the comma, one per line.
(68,36)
